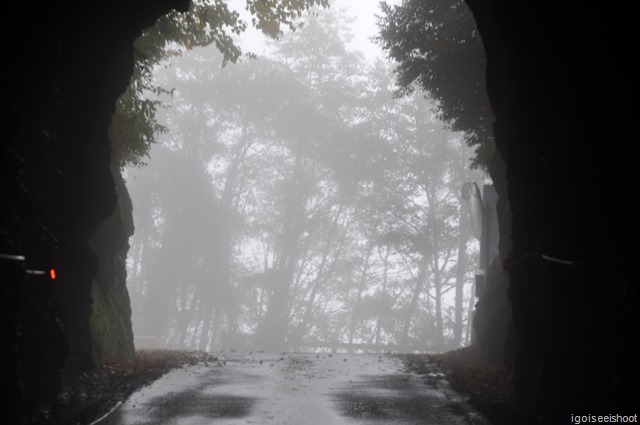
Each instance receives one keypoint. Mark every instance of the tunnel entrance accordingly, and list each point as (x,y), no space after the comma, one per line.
(293,203)
(559,76)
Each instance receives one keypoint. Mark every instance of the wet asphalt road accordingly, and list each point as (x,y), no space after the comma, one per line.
(296,389)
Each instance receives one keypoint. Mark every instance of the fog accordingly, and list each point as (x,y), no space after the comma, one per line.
(294,203)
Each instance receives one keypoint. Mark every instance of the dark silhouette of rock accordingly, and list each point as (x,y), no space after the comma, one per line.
(559,77)
(67,64)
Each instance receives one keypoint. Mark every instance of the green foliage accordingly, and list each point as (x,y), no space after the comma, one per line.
(438,47)
(134,128)
(270,15)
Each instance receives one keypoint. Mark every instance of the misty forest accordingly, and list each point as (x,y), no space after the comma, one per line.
(302,199)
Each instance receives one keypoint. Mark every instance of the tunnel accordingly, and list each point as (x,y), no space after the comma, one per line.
(560,77)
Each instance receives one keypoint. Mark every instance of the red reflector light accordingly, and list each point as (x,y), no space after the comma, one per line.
(52,273)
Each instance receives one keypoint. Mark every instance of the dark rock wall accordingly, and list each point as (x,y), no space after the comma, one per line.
(110,324)
(66,64)
(492,324)
(492,317)
(560,78)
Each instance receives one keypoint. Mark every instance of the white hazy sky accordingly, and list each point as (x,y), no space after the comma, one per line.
(364,26)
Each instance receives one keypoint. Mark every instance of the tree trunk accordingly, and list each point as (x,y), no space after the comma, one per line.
(205,318)
(461,269)
(382,294)
(275,327)
(363,280)
(322,274)
(437,285)
(417,290)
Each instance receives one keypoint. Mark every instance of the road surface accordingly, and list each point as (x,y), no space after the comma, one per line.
(296,389)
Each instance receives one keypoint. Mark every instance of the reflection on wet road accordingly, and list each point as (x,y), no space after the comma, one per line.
(296,389)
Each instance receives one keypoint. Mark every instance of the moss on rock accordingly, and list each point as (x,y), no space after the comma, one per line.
(110,321)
